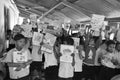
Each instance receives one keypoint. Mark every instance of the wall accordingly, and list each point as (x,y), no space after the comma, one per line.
(13,16)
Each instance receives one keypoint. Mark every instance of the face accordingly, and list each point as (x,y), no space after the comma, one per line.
(111,48)
(20,44)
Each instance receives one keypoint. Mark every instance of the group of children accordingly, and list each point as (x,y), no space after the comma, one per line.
(92,59)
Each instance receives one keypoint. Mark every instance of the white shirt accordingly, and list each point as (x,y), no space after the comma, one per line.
(117,56)
(35,55)
(23,72)
(78,61)
(99,54)
(106,61)
(50,60)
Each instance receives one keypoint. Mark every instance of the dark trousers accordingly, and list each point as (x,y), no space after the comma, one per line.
(117,71)
(65,78)
(89,72)
(51,73)
(106,73)
(78,76)
(23,78)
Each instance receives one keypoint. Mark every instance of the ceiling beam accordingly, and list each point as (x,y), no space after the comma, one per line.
(78,9)
(117,19)
(31,11)
(46,13)
(21,9)
(72,6)
(30,4)
(23,15)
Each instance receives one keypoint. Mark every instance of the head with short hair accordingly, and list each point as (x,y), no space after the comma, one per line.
(20,41)
(68,41)
(110,46)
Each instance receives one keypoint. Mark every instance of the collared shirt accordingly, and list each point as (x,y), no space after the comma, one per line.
(11,58)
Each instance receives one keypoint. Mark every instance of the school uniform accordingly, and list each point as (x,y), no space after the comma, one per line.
(37,58)
(117,57)
(78,75)
(108,68)
(100,51)
(89,67)
(24,72)
(50,66)
(66,69)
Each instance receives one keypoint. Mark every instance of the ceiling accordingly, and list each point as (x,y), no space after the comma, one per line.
(77,10)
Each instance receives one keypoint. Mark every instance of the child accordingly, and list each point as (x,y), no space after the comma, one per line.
(108,67)
(91,45)
(50,64)
(79,56)
(117,56)
(66,69)
(99,52)
(19,59)
(36,66)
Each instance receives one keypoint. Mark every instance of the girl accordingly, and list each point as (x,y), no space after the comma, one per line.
(66,69)
(79,56)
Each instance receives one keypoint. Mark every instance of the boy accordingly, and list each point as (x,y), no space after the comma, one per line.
(117,57)
(108,62)
(19,59)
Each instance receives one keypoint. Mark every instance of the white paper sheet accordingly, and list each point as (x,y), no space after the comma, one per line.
(66,51)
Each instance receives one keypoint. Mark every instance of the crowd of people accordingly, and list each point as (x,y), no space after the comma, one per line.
(92,59)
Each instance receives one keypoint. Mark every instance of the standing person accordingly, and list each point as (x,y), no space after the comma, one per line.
(89,67)
(19,59)
(37,62)
(36,66)
(50,65)
(66,69)
(108,63)
(79,57)
(99,52)
(117,57)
